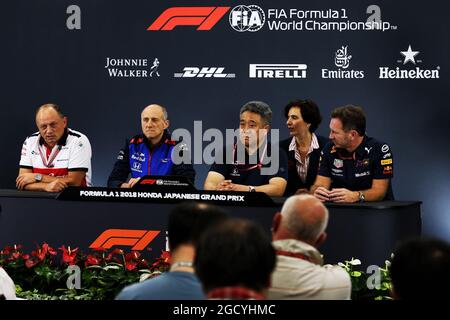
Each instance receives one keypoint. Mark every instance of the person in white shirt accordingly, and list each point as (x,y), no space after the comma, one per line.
(7,288)
(54,157)
(299,273)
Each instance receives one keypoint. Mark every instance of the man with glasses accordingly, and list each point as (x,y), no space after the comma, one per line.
(353,166)
(247,169)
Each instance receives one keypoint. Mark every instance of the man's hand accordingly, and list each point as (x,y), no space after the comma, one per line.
(55,186)
(343,195)
(322,194)
(133,181)
(225,185)
(130,183)
(24,179)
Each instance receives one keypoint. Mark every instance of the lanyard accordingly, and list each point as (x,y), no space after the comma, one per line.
(49,163)
(258,165)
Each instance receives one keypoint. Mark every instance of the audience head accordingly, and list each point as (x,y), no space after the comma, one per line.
(188,220)
(303,217)
(420,269)
(237,253)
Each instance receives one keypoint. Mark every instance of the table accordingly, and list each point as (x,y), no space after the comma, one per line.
(367,231)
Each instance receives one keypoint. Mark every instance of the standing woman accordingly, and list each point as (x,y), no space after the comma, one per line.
(304,146)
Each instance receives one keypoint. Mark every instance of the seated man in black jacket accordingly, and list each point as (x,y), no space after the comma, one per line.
(255,164)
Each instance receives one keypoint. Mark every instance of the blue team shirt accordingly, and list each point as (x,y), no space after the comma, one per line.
(174,285)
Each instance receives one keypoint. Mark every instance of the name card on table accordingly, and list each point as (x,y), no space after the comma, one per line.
(157,194)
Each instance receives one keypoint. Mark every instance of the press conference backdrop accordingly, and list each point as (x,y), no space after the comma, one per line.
(69,52)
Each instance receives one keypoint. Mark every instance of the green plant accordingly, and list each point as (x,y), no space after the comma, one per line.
(373,285)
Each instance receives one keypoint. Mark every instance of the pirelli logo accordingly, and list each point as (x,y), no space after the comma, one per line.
(278,71)
(203,17)
(137,239)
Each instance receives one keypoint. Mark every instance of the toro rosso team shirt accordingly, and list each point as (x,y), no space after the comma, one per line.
(71,153)
(139,158)
(355,171)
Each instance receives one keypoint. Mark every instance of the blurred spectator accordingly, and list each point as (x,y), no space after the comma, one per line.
(297,233)
(420,269)
(186,224)
(234,261)
(7,288)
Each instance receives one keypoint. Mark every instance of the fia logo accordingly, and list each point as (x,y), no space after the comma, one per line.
(247,18)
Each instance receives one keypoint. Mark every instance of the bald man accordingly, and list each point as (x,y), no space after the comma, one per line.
(54,157)
(148,153)
(297,232)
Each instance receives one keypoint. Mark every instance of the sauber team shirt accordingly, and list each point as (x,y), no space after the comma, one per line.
(71,153)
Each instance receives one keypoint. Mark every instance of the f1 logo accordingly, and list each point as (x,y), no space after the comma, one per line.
(137,239)
(203,17)
(147,181)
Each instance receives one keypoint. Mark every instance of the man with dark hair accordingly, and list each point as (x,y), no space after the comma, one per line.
(353,166)
(54,157)
(297,232)
(235,260)
(252,156)
(187,222)
(304,146)
(420,269)
(149,153)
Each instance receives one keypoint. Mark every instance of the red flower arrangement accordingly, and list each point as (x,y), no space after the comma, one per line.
(104,273)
